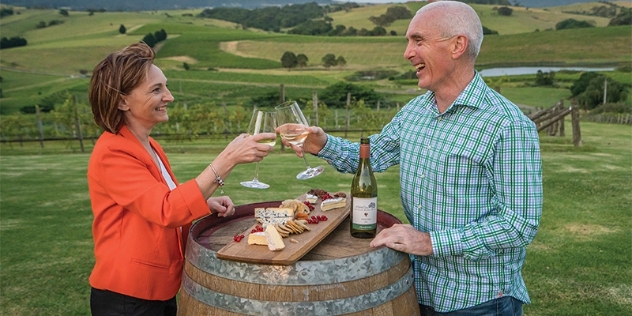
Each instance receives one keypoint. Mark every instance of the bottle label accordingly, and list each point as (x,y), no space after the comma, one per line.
(364,213)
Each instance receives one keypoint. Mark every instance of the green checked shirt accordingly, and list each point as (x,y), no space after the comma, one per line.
(472,178)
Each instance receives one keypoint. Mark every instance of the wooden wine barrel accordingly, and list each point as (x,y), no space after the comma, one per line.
(342,275)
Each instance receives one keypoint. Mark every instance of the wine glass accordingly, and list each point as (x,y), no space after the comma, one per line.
(293,129)
(261,122)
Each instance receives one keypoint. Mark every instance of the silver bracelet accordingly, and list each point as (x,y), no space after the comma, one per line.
(218,179)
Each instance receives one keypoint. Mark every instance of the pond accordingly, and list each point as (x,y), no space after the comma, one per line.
(512,71)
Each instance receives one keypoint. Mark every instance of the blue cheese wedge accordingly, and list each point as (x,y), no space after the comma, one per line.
(331,204)
(274,215)
(274,240)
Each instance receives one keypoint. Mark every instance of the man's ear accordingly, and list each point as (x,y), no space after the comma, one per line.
(459,46)
(123,104)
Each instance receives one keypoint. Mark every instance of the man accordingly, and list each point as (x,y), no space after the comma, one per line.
(471,179)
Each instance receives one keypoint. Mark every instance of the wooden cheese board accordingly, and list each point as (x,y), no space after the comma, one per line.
(306,241)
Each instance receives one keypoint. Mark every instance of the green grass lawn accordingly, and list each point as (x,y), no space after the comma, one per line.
(578,264)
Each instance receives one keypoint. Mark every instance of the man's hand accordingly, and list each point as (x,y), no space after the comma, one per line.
(314,142)
(404,238)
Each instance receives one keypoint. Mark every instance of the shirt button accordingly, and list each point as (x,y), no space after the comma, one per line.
(422,176)
(439,118)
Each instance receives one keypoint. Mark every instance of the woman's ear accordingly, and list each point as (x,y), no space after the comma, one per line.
(123,104)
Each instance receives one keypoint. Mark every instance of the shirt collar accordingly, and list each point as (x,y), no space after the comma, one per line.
(469,97)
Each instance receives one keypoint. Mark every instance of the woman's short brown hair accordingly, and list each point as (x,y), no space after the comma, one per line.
(118,74)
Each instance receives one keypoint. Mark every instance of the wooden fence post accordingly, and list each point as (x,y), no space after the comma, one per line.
(282,93)
(348,105)
(77,122)
(315,104)
(40,128)
(577,135)
(562,129)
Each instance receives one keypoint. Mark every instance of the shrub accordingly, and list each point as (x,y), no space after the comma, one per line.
(15,41)
(619,108)
(487,31)
(572,24)
(506,11)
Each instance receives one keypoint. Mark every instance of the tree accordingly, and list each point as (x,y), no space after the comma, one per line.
(5,12)
(329,60)
(271,98)
(338,30)
(392,14)
(593,95)
(544,78)
(150,40)
(341,61)
(623,18)
(289,60)
(335,95)
(581,84)
(186,66)
(63,12)
(122,29)
(378,31)
(302,60)
(160,35)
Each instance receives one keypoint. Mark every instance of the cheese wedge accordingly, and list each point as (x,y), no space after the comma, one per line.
(311,198)
(331,204)
(274,240)
(274,215)
(258,238)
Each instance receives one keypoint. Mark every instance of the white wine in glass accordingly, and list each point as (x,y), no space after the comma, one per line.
(261,122)
(293,129)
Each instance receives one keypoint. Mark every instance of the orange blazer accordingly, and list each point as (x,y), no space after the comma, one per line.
(138,245)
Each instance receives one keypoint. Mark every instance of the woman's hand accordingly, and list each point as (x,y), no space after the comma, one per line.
(245,148)
(222,205)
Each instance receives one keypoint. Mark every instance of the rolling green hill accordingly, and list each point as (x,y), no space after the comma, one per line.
(230,64)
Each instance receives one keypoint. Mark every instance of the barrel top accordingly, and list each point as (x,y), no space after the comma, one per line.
(338,258)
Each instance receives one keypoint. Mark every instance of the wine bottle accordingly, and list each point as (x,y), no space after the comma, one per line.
(364,196)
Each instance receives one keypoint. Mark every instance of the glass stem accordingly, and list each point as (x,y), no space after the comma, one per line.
(305,158)
(306,163)
(256,172)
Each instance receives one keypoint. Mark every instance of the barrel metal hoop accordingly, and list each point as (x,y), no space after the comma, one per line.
(300,273)
(304,308)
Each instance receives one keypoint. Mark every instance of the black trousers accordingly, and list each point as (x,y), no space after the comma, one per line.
(107,303)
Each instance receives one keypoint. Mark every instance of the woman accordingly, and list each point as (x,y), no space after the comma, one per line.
(141,214)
